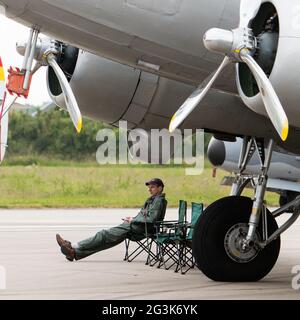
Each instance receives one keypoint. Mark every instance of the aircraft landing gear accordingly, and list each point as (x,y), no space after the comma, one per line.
(218,242)
(237,238)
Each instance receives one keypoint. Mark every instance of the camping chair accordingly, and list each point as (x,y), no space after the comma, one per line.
(167,233)
(186,258)
(144,241)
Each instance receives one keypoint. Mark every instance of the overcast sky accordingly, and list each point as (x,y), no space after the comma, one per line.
(10,33)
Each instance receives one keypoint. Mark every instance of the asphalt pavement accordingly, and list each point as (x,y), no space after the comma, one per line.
(34,268)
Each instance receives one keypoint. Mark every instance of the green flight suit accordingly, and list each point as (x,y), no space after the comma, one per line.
(153,210)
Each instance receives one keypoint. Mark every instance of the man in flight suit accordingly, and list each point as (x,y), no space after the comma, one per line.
(133,228)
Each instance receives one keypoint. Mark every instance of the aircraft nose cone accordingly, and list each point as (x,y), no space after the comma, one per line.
(216,152)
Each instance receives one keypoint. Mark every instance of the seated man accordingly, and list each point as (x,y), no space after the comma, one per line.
(134,228)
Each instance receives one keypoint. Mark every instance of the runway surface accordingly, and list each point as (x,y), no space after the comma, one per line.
(35,268)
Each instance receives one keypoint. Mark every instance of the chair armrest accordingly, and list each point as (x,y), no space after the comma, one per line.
(161,226)
(167,222)
(172,230)
(149,227)
(142,223)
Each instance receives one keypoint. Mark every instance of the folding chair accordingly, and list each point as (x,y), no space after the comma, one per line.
(186,258)
(144,241)
(144,244)
(167,235)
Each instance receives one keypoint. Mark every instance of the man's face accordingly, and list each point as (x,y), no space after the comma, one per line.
(154,189)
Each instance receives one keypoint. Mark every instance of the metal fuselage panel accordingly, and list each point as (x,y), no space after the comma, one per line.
(165,33)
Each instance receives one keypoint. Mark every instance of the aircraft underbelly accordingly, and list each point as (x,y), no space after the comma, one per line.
(162,22)
(166,34)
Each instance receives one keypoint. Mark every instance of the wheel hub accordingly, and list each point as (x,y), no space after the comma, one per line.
(234,243)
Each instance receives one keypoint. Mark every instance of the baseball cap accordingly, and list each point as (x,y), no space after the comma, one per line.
(156,181)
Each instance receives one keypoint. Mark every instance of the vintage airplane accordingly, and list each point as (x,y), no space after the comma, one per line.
(143,58)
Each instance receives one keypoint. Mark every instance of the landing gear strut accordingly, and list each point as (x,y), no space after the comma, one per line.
(237,238)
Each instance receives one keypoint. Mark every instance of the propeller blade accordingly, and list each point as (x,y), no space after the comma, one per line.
(271,101)
(70,99)
(248,10)
(194,99)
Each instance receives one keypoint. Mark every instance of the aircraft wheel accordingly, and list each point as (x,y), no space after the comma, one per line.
(217,242)
(287,197)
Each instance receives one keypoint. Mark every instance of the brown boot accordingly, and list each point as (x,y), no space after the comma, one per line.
(61,241)
(69,252)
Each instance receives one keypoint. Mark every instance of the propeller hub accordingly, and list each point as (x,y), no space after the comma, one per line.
(43,45)
(48,52)
(219,40)
(229,42)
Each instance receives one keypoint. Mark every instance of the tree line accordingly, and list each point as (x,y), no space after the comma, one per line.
(52,134)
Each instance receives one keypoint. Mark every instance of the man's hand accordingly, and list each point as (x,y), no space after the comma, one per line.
(128,219)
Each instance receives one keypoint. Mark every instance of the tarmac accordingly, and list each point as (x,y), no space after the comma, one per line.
(35,269)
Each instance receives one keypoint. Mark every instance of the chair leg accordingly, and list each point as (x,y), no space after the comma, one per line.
(151,256)
(162,261)
(178,265)
(160,255)
(190,261)
(141,247)
(167,250)
(181,258)
(172,253)
(155,258)
(127,242)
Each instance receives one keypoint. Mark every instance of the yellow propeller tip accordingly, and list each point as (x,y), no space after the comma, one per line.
(285,131)
(79,125)
(171,129)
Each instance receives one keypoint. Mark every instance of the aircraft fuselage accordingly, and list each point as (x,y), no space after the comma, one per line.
(164,36)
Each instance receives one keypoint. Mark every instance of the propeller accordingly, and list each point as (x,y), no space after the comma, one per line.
(46,52)
(193,100)
(238,46)
(70,99)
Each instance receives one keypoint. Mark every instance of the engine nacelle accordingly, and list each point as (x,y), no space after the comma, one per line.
(111,92)
(103,89)
(277,26)
(283,175)
(226,155)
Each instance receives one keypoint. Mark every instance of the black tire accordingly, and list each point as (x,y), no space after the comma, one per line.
(282,201)
(287,197)
(208,242)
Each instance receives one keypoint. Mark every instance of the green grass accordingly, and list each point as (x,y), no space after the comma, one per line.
(92,185)
(47,161)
